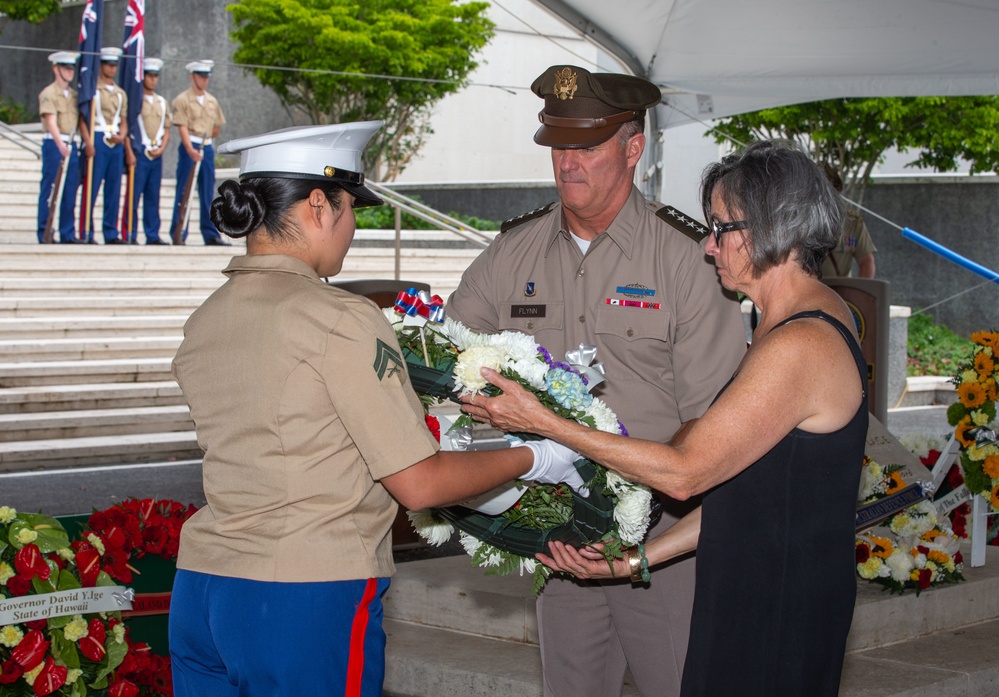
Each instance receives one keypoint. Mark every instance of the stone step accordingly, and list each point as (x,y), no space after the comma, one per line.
(454,631)
(99,450)
(49,328)
(84,396)
(100,348)
(90,304)
(134,285)
(37,373)
(84,423)
(928,390)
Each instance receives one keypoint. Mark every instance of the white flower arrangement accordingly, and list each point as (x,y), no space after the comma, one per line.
(561,387)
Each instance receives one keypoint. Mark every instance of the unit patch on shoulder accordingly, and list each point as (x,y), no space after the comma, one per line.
(521,219)
(684,223)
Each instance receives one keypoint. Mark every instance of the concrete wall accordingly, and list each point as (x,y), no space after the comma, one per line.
(959,212)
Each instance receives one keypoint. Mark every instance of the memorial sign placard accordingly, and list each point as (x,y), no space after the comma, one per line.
(884,448)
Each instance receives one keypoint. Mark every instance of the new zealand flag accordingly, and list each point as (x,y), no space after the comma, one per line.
(90,54)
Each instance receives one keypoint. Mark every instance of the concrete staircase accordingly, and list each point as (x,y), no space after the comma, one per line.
(454,632)
(88,332)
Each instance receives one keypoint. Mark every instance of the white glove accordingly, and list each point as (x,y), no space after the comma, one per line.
(553,464)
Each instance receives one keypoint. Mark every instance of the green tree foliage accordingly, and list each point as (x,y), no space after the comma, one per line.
(852,135)
(411,54)
(33,11)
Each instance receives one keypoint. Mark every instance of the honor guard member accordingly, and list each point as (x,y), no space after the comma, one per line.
(154,134)
(107,145)
(60,123)
(198,118)
(604,266)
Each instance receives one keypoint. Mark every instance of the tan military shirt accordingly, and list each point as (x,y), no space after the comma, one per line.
(301,403)
(155,115)
(114,108)
(854,242)
(664,361)
(200,119)
(52,100)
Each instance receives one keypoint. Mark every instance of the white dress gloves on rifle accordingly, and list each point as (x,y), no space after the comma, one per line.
(553,463)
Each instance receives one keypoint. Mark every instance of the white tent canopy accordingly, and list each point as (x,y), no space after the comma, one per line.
(715,58)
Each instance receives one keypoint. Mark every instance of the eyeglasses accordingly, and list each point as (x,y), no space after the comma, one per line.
(719,229)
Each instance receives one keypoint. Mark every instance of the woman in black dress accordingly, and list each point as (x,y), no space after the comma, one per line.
(778,455)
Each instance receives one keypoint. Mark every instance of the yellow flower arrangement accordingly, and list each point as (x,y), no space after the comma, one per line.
(972,414)
(916,548)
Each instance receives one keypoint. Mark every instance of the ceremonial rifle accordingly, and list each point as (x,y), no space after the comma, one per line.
(185,200)
(55,196)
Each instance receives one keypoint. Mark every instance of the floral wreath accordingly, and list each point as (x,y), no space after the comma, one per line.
(74,655)
(915,549)
(972,414)
(444,359)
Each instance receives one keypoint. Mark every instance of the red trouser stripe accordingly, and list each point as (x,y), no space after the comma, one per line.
(358,633)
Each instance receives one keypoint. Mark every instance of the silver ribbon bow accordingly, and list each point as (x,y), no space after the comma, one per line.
(460,438)
(581,359)
(126,596)
(983,436)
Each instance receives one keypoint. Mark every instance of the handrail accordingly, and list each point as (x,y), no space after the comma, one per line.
(434,217)
(33,147)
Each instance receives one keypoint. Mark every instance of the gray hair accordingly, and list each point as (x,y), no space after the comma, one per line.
(787,201)
(631,128)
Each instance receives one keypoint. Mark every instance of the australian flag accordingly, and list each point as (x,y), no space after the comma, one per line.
(130,71)
(90,54)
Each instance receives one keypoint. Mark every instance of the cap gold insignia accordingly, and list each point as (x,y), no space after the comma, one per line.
(328,171)
(565,83)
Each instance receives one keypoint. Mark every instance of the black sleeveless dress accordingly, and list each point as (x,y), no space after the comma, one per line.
(776,580)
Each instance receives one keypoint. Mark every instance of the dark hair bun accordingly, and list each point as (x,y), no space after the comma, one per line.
(239,209)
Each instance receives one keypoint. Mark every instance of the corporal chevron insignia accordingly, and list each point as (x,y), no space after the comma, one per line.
(388,362)
(684,223)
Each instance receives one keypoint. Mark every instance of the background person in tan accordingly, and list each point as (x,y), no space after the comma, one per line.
(198,118)
(604,266)
(777,455)
(60,121)
(855,243)
(303,406)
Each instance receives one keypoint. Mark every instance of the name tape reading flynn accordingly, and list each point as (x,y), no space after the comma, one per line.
(78,601)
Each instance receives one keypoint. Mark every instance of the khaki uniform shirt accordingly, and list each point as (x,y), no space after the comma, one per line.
(301,403)
(51,100)
(200,119)
(154,113)
(854,242)
(663,366)
(114,108)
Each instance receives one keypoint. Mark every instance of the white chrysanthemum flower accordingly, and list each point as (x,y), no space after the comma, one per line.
(915,520)
(467,378)
(470,544)
(920,444)
(900,565)
(533,371)
(461,336)
(605,419)
(436,531)
(518,346)
(632,514)
(919,559)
